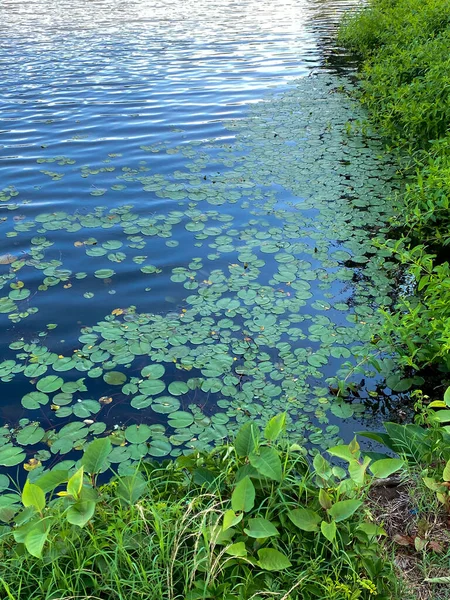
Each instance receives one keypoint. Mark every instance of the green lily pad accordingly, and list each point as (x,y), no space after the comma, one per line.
(137,434)
(177,388)
(115,378)
(104,273)
(49,384)
(181,419)
(165,405)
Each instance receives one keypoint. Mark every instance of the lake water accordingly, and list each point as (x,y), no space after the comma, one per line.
(186,214)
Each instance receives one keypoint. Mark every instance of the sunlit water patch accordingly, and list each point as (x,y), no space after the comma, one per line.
(162,283)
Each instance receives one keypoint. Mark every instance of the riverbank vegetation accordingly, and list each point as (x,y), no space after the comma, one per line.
(255,518)
(404,46)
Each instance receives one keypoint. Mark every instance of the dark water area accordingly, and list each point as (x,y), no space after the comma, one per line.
(186,216)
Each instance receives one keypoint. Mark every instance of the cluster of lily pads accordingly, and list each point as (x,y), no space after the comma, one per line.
(267,281)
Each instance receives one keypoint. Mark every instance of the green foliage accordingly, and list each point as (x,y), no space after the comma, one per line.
(222,524)
(405,79)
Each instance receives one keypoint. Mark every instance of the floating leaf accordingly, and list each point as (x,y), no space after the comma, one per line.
(49,384)
(115,378)
(104,273)
(136,434)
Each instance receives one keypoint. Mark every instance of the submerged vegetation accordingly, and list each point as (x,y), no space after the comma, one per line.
(404,84)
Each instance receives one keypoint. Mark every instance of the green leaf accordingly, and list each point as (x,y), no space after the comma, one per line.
(230,519)
(443,416)
(115,377)
(35,540)
(246,439)
(34,400)
(10,455)
(357,470)
(267,462)
(261,528)
(153,371)
(96,454)
(33,495)
(344,509)
(325,499)
(371,530)
(75,483)
(50,480)
(275,427)
(322,467)
(273,560)
(30,435)
(385,467)
(305,519)
(243,497)
(328,530)
(81,512)
(177,388)
(237,549)
(137,434)
(446,473)
(130,488)
(104,273)
(447,396)
(341,451)
(49,384)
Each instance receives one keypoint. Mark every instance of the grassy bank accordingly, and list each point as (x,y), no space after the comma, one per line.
(253,519)
(404,46)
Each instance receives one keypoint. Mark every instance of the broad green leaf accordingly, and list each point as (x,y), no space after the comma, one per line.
(246,439)
(115,377)
(305,519)
(230,519)
(344,509)
(96,455)
(130,488)
(261,528)
(237,549)
(357,470)
(322,467)
(446,473)
(137,434)
(275,427)
(325,499)
(33,495)
(443,416)
(11,455)
(243,497)
(81,512)
(385,467)
(273,560)
(48,384)
(267,462)
(30,435)
(341,451)
(328,530)
(35,539)
(50,480)
(75,483)
(447,396)
(371,530)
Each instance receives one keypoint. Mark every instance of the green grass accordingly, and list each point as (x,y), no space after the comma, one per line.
(253,519)
(405,78)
